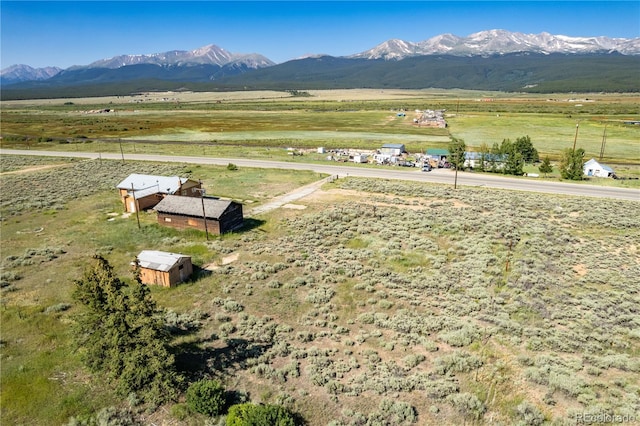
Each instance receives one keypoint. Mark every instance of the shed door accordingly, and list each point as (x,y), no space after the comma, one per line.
(182,272)
(132,206)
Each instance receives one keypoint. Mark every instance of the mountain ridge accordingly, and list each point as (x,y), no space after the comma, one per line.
(494,59)
(483,43)
(491,42)
(210,54)
(21,72)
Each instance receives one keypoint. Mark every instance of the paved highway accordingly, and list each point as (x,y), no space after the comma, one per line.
(443,176)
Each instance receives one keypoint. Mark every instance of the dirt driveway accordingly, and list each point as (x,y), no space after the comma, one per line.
(290,197)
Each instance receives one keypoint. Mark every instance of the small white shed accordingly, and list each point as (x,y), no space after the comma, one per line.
(594,169)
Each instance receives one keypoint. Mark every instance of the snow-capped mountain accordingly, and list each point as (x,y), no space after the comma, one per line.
(494,42)
(209,63)
(391,49)
(17,73)
(222,61)
(210,55)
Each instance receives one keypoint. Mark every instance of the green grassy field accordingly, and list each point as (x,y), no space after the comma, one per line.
(335,119)
(552,133)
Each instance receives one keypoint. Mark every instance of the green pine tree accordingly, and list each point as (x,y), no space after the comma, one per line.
(121,335)
(546,167)
(484,155)
(571,164)
(524,146)
(514,161)
(457,147)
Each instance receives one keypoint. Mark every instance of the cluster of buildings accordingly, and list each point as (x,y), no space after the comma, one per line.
(180,203)
(431,118)
(395,154)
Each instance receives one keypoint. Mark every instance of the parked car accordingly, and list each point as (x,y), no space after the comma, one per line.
(426,168)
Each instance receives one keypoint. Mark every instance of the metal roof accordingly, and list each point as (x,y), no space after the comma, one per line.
(159,260)
(594,163)
(437,151)
(192,206)
(393,145)
(472,155)
(144,185)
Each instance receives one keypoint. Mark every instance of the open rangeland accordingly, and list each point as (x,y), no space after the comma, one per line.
(261,123)
(367,302)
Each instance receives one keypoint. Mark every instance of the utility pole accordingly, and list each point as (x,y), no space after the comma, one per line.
(576,138)
(204,215)
(121,151)
(604,141)
(455,180)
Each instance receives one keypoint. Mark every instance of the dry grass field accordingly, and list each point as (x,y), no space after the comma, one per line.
(368,302)
(343,95)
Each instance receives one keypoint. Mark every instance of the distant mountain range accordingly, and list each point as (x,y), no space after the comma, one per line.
(18,73)
(507,61)
(207,55)
(211,58)
(500,42)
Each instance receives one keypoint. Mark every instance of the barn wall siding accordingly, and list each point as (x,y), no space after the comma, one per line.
(153,277)
(169,278)
(143,203)
(187,189)
(231,219)
(188,222)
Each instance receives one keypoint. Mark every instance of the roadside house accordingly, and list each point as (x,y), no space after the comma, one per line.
(162,268)
(392,149)
(473,159)
(221,216)
(141,192)
(437,157)
(438,153)
(594,169)
(491,161)
(361,158)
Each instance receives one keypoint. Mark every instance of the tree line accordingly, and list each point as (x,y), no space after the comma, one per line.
(510,158)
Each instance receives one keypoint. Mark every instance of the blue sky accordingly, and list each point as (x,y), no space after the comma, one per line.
(62,34)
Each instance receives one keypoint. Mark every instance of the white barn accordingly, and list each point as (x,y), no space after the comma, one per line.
(594,169)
